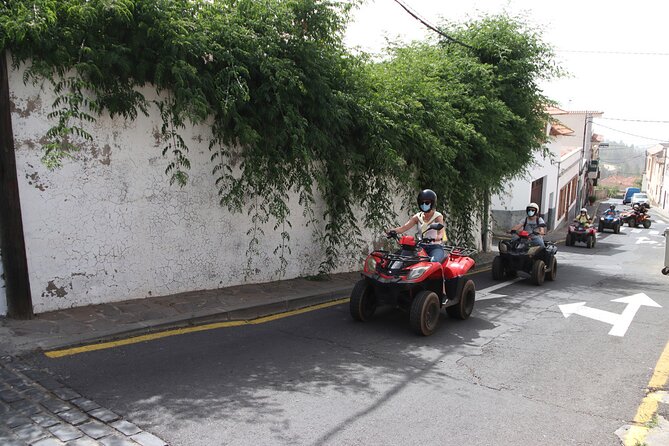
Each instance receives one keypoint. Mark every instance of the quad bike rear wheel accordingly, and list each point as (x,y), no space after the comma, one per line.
(616,229)
(363,301)
(552,274)
(463,309)
(497,268)
(424,316)
(538,272)
(600,228)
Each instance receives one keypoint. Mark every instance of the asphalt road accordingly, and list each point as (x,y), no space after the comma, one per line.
(518,372)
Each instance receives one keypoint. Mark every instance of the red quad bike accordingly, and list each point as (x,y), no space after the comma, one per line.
(636,217)
(579,233)
(407,279)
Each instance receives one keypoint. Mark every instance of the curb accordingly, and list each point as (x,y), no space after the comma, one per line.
(201,318)
(208,316)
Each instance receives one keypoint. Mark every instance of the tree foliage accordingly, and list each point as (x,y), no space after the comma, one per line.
(291,108)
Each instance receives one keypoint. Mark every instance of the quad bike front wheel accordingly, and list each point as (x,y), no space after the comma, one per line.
(538,272)
(590,242)
(363,301)
(646,224)
(463,309)
(424,316)
(616,229)
(552,273)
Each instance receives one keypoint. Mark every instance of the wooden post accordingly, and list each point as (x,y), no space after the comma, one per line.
(12,241)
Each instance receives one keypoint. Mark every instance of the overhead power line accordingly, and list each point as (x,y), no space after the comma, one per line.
(630,134)
(635,120)
(621,53)
(416,16)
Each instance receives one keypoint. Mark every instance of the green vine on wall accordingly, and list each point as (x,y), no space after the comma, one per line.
(292,110)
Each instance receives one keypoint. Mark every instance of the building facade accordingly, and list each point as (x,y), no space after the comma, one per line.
(656,176)
(558,182)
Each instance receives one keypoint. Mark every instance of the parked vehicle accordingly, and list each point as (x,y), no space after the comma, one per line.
(637,216)
(520,255)
(610,220)
(640,198)
(409,280)
(627,198)
(579,233)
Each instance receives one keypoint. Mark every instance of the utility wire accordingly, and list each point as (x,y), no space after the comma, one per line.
(626,53)
(432,27)
(630,134)
(634,120)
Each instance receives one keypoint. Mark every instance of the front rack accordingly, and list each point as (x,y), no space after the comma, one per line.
(459,250)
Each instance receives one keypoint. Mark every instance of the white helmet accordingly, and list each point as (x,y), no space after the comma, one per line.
(584,210)
(533,205)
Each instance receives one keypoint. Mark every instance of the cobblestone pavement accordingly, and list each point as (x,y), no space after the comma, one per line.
(37,410)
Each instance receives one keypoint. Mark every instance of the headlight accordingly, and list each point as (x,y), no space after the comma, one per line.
(370,264)
(417,272)
(601,218)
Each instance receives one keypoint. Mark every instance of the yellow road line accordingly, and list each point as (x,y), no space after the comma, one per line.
(180,331)
(646,411)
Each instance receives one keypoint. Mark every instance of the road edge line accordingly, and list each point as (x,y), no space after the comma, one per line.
(59,353)
(648,407)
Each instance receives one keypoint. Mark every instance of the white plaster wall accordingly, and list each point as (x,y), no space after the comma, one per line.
(107,226)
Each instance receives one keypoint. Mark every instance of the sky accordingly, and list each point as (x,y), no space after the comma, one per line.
(593,40)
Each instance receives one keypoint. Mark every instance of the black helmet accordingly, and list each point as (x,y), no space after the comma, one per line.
(612,207)
(427,195)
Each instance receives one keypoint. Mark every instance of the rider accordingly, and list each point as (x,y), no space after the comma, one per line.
(583,218)
(533,224)
(427,202)
(611,210)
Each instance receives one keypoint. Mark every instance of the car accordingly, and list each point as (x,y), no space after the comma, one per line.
(628,194)
(640,198)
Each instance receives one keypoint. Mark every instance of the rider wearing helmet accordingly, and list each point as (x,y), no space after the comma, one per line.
(583,218)
(611,210)
(427,202)
(533,224)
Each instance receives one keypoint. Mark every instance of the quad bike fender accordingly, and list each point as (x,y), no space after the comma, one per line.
(457,266)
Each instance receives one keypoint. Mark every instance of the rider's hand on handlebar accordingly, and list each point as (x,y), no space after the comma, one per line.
(391,234)
(513,231)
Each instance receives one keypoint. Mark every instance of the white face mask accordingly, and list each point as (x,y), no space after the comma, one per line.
(530,213)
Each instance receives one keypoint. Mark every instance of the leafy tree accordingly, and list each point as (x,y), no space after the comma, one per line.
(292,110)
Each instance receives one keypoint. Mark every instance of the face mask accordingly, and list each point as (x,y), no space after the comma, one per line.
(425,207)
(530,213)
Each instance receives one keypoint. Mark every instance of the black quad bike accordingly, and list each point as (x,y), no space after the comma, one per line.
(520,255)
(408,280)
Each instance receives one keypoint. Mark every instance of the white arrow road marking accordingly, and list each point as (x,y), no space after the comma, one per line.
(633,302)
(645,241)
(620,322)
(487,293)
(636,230)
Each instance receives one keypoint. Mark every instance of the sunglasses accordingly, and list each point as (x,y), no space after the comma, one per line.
(426,202)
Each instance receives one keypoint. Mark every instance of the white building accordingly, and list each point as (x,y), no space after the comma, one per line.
(656,177)
(559,182)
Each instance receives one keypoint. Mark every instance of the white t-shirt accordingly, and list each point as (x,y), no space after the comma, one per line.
(422,225)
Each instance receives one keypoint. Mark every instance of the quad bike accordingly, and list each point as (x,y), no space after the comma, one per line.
(407,279)
(610,220)
(521,255)
(579,233)
(636,217)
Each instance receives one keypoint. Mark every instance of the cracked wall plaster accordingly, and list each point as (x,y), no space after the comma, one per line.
(107,226)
